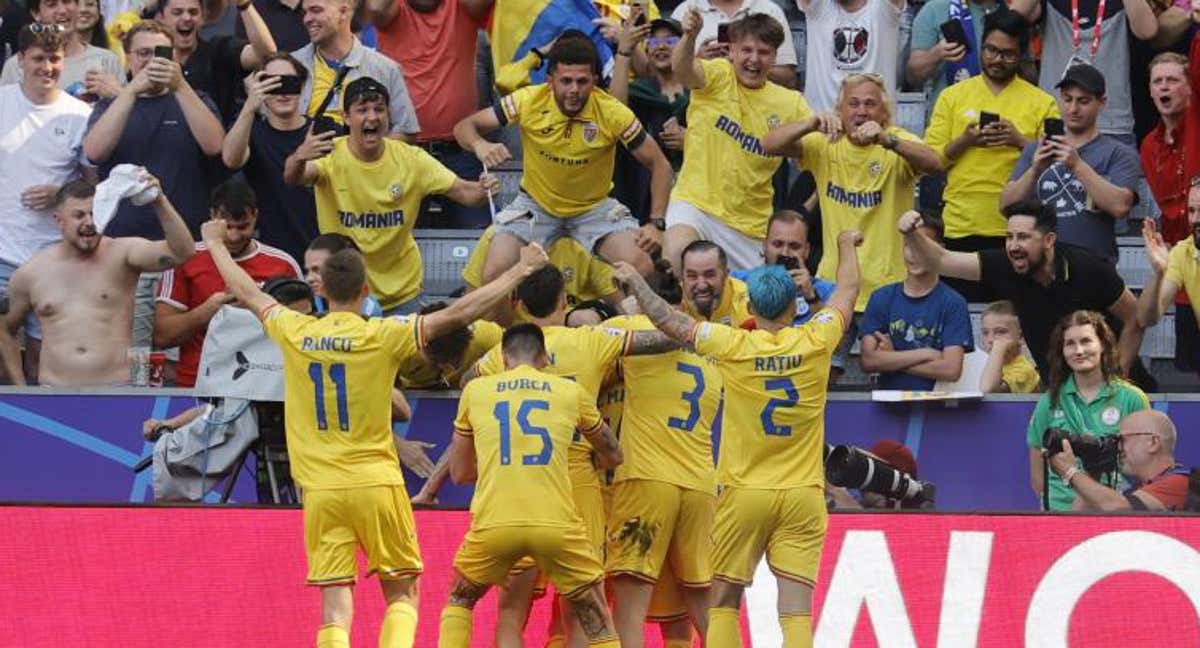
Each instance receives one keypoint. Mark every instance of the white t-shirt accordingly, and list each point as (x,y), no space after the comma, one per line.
(841,43)
(38,145)
(713,17)
(75,69)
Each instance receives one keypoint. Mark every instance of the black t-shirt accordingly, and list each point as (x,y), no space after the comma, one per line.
(1082,281)
(287,215)
(285,24)
(215,68)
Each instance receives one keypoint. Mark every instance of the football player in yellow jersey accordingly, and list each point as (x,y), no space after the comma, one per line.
(773,437)
(339,433)
(710,294)
(370,187)
(569,132)
(513,430)
(724,193)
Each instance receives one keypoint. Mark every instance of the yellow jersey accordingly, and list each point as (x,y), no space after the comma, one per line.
(569,160)
(975,179)
(733,309)
(725,172)
(672,401)
(773,424)
(323,78)
(583,354)
(1183,269)
(1021,375)
(585,275)
(338,369)
(376,204)
(417,373)
(864,188)
(521,422)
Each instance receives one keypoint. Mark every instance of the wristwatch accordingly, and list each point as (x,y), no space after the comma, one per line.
(659,223)
(890,141)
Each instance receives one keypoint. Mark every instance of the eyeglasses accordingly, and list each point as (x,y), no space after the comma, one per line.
(1009,56)
(1122,437)
(662,41)
(38,28)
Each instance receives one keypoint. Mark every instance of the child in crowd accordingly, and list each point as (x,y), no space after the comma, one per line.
(1008,370)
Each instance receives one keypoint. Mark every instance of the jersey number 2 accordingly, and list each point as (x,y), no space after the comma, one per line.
(337,375)
(791,397)
(503,413)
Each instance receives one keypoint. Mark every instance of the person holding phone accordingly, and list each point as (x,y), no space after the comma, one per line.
(1086,176)
(713,41)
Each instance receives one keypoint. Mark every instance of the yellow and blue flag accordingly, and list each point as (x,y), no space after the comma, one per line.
(521,25)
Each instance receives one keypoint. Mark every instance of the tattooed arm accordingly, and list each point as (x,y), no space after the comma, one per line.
(651,342)
(676,324)
(608,451)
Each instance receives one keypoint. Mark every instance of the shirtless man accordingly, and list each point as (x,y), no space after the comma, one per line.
(81,289)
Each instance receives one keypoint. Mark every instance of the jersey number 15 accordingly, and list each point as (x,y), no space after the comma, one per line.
(503,414)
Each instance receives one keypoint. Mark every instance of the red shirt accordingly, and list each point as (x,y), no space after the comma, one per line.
(437,53)
(1170,167)
(187,286)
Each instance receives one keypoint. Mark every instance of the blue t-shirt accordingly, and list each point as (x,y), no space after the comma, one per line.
(935,321)
(803,312)
(370,307)
(157,137)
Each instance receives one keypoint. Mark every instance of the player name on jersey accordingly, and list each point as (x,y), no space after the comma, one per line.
(522,383)
(343,344)
(778,363)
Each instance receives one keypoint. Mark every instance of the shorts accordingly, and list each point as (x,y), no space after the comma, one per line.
(656,522)
(589,505)
(608,217)
(377,518)
(744,252)
(562,554)
(666,601)
(33,328)
(787,524)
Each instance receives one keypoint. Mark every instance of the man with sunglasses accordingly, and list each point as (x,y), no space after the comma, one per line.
(1147,458)
(79,57)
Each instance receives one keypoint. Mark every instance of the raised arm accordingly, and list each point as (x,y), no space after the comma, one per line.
(105,133)
(262,44)
(845,294)
(1142,21)
(237,282)
(661,176)
(627,43)
(235,150)
(1030,10)
(676,324)
(1159,292)
(470,131)
(785,140)
(960,265)
(683,57)
(176,247)
(477,302)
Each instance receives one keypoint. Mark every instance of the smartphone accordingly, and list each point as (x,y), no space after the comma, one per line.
(987,118)
(1053,127)
(788,262)
(953,32)
(723,33)
(164,51)
(326,124)
(641,19)
(289,84)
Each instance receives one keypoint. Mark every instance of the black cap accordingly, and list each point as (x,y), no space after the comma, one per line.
(363,86)
(1085,76)
(666,23)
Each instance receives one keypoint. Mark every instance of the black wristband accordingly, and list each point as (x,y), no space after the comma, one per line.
(244,6)
(659,223)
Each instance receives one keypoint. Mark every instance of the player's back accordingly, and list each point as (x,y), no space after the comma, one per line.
(773,424)
(522,422)
(338,374)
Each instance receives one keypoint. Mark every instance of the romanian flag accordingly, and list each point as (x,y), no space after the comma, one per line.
(521,25)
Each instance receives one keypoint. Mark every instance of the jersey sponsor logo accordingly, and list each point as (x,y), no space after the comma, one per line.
(326,343)
(850,45)
(748,142)
(372,220)
(565,161)
(523,384)
(778,363)
(858,199)
(244,365)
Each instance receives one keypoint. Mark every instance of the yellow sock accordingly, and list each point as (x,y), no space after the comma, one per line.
(399,626)
(612,642)
(455,631)
(723,629)
(556,641)
(797,630)
(678,643)
(333,635)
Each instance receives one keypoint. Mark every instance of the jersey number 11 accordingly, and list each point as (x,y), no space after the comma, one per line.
(337,375)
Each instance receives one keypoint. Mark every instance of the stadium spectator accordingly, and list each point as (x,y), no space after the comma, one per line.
(980,157)
(1085,175)
(91,25)
(1007,369)
(568,168)
(1176,272)
(659,100)
(709,293)
(1084,395)
(594,312)
(787,245)
(863,179)
(850,37)
(915,332)
(335,57)
(216,67)
(1147,442)
(725,192)
(260,141)
(79,56)
(714,13)
(82,289)
(321,248)
(369,187)
(1094,32)
(434,41)
(285,21)
(1045,280)
(41,150)
(191,294)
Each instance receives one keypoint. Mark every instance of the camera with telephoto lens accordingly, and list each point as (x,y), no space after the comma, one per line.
(851,467)
(1098,453)
(788,262)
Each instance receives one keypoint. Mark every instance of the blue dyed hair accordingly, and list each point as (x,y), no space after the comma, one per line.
(771,290)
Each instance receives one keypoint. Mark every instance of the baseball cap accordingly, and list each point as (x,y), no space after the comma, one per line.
(363,86)
(666,23)
(1085,76)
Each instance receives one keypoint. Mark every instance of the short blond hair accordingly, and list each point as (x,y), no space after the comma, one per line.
(859,78)
(1002,308)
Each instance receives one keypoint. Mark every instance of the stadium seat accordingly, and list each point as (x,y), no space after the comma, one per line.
(445,252)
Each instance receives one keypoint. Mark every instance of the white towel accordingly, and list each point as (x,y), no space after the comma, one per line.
(124,181)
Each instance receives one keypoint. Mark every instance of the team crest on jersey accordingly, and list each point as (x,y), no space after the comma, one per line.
(590,131)
(1110,415)
(875,168)
(396,191)
(824,317)
(773,122)
(568,273)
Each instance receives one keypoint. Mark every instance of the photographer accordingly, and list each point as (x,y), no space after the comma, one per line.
(1147,455)
(787,245)
(1085,395)
(895,455)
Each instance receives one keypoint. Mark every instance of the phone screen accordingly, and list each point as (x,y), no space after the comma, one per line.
(723,33)
(164,51)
